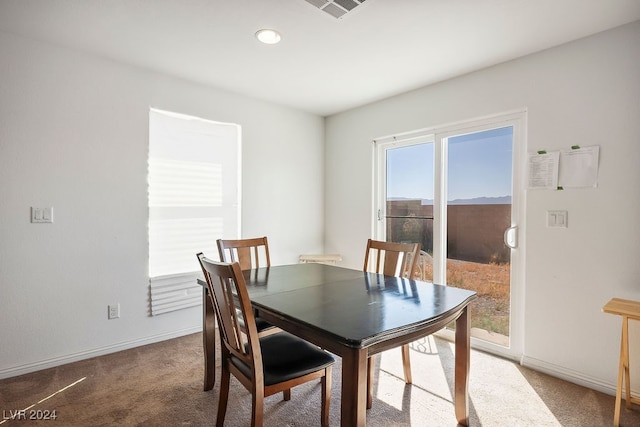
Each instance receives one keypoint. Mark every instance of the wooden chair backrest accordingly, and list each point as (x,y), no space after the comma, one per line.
(249,253)
(391,259)
(236,321)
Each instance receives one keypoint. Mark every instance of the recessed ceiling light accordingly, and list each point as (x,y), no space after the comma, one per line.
(268,36)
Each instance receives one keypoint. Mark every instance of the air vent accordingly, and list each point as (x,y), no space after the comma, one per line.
(336,8)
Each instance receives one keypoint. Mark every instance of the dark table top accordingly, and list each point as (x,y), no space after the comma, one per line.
(354,307)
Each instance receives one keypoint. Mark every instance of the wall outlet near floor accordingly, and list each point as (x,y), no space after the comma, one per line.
(114,311)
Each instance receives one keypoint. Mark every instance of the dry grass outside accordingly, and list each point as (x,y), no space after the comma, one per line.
(490,311)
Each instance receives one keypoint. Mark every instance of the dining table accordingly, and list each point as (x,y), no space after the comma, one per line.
(354,315)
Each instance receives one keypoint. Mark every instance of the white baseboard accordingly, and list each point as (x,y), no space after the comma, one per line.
(571,376)
(63,360)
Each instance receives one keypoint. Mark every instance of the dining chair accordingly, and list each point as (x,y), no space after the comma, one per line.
(263,365)
(249,253)
(390,259)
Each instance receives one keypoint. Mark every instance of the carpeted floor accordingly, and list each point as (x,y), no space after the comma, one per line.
(161,385)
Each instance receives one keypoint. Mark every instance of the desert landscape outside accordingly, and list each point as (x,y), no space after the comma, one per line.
(477,258)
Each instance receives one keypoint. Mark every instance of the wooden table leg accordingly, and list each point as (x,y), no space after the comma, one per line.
(463,356)
(208,340)
(625,359)
(353,409)
(623,371)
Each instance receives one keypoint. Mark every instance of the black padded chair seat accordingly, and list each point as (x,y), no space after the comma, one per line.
(285,357)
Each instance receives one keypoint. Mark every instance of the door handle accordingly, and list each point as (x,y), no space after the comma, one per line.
(511,237)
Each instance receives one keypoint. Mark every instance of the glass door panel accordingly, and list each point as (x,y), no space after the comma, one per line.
(409,200)
(479,206)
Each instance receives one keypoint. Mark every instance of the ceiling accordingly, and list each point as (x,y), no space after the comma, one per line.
(323,65)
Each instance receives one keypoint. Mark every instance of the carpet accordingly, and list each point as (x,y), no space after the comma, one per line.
(161,384)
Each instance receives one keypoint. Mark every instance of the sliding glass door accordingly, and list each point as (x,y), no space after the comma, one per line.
(452,190)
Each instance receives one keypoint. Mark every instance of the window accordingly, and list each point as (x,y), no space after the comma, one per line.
(194,199)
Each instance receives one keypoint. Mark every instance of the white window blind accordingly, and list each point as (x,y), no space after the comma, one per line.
(194,199)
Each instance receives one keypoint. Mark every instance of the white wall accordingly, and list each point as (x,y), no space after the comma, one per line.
(74,135)
(586,92)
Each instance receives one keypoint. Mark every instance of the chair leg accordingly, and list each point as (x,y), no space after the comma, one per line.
(406,363)
(370,365)
(257,407)
(286,395)
(326,397)
(224,396)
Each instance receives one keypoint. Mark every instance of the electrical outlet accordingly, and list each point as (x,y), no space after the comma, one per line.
(114,311)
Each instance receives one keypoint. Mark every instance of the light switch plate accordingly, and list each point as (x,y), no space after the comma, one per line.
(41,215)
(557,219)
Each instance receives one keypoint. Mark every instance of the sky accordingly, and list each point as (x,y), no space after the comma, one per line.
(479,165)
